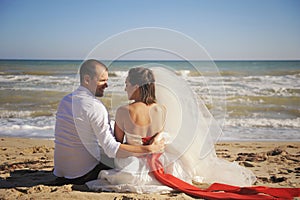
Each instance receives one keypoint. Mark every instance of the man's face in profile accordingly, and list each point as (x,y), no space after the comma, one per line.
(98,83)
(101,84)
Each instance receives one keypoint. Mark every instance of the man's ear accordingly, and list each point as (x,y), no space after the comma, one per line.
(86,79)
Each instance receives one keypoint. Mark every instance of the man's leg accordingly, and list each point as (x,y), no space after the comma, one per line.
(92,175)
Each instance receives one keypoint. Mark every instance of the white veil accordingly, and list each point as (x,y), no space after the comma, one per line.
(194,133)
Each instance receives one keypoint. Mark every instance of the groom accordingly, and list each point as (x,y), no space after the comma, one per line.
(82,130)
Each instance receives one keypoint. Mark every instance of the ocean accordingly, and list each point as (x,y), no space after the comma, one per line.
(262,98)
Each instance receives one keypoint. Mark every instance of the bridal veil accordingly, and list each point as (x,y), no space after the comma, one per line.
(194,132)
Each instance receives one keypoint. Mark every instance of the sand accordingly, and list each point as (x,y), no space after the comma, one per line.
(26,169)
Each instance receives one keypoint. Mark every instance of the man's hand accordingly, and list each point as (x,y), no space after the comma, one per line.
(157,144)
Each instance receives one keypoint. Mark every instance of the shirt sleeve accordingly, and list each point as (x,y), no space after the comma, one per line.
(100,123)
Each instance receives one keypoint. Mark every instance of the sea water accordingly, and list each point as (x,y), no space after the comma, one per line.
(262,98)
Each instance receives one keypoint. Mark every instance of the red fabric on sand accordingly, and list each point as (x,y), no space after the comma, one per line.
(217,190)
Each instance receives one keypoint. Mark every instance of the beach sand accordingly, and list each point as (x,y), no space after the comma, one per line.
(26,168)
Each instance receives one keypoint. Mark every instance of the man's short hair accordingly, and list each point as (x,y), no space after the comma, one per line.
(88,67)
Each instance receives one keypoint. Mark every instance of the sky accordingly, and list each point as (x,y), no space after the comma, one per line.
(226,29)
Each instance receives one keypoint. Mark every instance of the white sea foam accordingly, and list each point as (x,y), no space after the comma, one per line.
(15,114)
(27,131)
(251,85)
(120,73)
(263,122)
(42,127)
(26,127)
(35,78)
(34,82)
(183,73)
(237,133)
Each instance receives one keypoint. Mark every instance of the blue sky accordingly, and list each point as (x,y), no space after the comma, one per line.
(227,29)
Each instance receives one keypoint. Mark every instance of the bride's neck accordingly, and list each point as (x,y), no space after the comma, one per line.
(138,101)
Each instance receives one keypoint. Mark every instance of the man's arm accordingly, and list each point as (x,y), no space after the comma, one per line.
(157,145)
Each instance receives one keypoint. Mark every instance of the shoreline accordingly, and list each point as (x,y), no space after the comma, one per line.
(220,141)
(26,167)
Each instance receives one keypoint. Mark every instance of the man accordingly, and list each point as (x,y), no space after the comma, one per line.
(83,130)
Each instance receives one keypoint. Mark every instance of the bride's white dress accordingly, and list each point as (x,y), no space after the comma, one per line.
(190,154)
(132,174)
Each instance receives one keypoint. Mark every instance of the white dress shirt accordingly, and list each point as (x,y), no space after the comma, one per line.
(82,132)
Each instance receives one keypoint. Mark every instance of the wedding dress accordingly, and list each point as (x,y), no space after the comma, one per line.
(132,174)
(191,133)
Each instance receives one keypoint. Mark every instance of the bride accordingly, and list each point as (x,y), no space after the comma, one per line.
(162,103)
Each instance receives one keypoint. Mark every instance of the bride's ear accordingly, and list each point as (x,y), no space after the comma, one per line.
(136,87)
(135,92)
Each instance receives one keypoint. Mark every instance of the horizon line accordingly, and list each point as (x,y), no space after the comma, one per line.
(137,60)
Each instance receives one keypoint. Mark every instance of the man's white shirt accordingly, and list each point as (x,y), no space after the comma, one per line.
(82,129)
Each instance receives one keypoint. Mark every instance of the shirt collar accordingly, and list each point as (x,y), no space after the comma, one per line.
(84,89)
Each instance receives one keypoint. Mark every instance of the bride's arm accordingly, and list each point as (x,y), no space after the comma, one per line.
(119,133)
(119,124)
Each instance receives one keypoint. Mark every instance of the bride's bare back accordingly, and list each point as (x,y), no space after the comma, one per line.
(139,119)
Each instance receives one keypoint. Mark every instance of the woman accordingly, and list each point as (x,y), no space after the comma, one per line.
(143,117)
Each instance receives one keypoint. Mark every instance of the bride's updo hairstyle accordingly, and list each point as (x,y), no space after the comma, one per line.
(144,78)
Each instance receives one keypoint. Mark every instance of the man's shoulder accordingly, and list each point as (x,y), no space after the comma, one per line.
(94,105)
(91,103)
(67,99)
(67,96)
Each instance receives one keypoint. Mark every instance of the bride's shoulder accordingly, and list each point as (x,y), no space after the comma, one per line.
(123,109)
(159,107)
(158,110)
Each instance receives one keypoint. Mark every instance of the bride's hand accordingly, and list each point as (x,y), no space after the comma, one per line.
(157,144)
